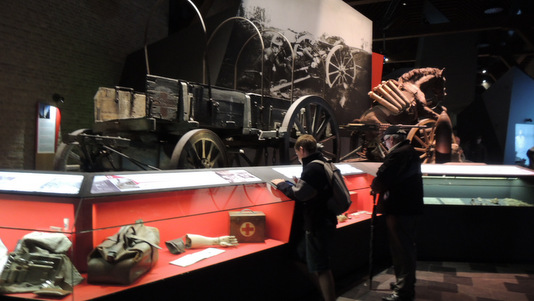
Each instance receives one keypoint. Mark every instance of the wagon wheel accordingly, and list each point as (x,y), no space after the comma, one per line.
(422,139)
(309,115)
(340,66)
(70,156)
(197,149)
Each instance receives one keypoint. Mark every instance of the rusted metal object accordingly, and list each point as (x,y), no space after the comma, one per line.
(413,102)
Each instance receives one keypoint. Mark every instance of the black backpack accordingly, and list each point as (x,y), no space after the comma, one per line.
(340,201)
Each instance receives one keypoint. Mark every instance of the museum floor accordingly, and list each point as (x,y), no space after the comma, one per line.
(456,281)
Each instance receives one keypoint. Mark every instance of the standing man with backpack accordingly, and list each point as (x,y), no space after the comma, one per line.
(399,183)
(314,225)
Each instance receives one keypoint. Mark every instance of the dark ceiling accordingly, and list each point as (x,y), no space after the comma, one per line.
(505,30)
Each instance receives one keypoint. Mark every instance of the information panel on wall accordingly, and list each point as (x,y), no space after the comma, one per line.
(48,122)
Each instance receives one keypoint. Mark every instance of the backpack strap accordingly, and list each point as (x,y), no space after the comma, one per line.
(328,178)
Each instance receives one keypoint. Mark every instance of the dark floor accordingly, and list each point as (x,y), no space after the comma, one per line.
(456,281)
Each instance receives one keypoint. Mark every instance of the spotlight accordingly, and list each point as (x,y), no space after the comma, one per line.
(493,10)
(58,98)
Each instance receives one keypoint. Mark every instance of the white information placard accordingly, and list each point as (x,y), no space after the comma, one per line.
(40,182)
(155,181)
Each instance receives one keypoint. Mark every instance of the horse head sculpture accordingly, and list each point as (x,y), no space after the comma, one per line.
(413,95)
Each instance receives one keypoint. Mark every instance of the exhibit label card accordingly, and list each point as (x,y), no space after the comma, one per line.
(154,181)
(189,259)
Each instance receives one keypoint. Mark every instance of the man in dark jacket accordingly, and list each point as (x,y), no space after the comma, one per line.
(314,235)
(400,186)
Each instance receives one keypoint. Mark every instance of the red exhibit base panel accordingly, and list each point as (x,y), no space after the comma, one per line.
(89,218)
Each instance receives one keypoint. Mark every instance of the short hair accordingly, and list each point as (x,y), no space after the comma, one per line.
(307,142)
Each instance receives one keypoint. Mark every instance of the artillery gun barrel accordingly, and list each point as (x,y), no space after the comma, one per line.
(393,85)
(390,98)
(389,90)
(384,103)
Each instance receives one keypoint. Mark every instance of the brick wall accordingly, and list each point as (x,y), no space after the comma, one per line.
(67,47)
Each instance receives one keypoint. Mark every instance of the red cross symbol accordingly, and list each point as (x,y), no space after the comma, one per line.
(247,229)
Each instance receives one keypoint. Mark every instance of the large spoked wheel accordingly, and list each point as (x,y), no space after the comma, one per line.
(309,115)
(340,66)
(70,156)
(422,139)
(198,149)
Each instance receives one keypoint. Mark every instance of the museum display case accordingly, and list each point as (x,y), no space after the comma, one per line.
(474,212)
(472,183)
(477,213)
(478,184)
(90,207)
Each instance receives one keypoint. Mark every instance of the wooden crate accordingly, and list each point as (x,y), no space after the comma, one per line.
(118,103)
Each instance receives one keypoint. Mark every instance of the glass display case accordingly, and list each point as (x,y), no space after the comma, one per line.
(477,213)
(478,185)
(467,205)
(90,207)
(472,183)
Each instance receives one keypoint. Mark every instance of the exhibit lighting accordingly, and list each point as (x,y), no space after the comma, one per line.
(58,98)
(484,74)
(493,10)
(474,170)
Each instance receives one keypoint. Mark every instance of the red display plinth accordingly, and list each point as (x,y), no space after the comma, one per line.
(88,218)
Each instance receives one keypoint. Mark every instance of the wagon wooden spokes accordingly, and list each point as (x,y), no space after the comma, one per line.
(340,66)
(309,115)
(422,139)
(199,148)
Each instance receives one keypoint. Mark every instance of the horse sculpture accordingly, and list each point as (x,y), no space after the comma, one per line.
(411,101)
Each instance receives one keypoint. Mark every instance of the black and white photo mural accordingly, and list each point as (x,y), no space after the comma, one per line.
(310,47)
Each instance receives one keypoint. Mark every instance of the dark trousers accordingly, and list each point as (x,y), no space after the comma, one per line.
(401,236)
